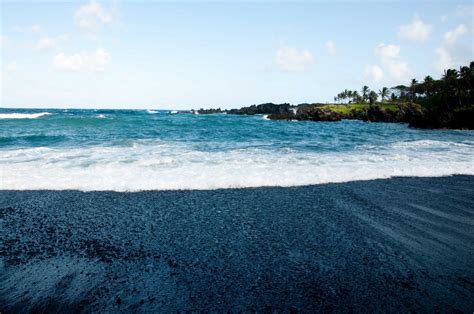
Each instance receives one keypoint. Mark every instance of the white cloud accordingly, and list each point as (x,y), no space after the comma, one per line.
(83,62)
(46,43)
(91,16)
(443,59)
(454,51)
(292,60)
(451,37)
(73,62)
(384,51)
(398,70)
(330,47)
(391,63)
(34,29)
(416,31)
(374,73)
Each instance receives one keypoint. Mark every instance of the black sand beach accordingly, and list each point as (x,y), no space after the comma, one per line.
(384,245)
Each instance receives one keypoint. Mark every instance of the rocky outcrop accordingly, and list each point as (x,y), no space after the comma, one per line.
(268,108)
(309,113)
(436,119)
(413,114)
(417,117)
(279,116)
(406,113)
(317,114)
(210,111)
(377,114)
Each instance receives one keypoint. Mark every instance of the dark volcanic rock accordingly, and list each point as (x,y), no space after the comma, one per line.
(437,119)
(284,116)
(268,108)
(406,113)
(210,111)
(463,119)
(318,114)
(309,113)
(418,117)
(377,114)
(354,115)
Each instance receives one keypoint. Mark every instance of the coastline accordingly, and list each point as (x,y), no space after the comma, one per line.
(413,114)
(397,244)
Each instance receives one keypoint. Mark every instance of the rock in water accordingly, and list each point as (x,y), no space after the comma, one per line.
(268,108)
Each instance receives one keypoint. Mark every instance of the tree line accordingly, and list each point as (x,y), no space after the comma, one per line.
(453,90)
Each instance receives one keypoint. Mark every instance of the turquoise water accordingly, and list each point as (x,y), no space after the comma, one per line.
(151,149)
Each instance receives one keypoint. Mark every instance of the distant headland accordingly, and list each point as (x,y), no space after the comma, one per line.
(431,104)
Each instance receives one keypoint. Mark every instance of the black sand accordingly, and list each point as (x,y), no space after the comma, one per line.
(384,245)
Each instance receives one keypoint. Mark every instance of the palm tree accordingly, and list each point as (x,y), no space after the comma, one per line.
(355,96)
(372,97)
(466,76)
(401,91)
(428,85)
(413,88)
(349,96)
(345,95)
(365,93)
(383,93)
(451,89)
(450,74)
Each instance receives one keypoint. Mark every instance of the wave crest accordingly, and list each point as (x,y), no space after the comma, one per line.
(23,115)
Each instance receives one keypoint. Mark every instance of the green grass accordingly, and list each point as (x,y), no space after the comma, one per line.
(348,108)
(390,107)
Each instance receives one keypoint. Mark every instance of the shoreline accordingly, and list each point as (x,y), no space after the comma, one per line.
(398,244)
(190,190)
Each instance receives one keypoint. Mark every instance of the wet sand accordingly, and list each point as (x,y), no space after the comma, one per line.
(383,245)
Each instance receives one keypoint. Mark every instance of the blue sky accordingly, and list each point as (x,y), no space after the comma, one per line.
(182,55)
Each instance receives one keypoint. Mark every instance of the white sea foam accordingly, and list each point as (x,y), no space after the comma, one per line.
(174,111)
(151,111)
(23,115)
(165,166)
(265,117)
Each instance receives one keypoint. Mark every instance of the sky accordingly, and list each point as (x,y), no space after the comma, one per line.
(191,54)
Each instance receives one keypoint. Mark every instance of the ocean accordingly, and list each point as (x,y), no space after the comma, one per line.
(134,150)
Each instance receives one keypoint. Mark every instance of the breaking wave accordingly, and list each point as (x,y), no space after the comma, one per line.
(23,115)
(171,166)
